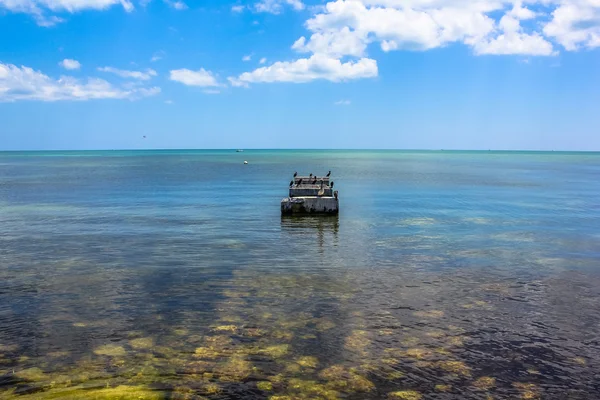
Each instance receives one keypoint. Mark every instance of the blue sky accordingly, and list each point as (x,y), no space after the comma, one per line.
(419,74)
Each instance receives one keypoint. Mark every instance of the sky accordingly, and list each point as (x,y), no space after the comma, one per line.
(376,74)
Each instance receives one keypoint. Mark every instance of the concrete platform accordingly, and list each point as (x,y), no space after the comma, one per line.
(310,205)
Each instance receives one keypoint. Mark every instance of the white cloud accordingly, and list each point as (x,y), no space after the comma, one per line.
(276,6)
(211,91)
(188,77)
(40,8)
(247,57)
(514,40)
(168,101)
(336,43)
(348,27)
(177,5)
(144,76)
(157,56)
(263,60)
(237,9)
(575,24)
(24,83)
(342,103)
(68,63)
(318,66)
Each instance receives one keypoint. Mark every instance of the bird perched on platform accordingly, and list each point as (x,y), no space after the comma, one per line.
(310,176)
(328,174)
(331,184)
(314,180)
(295,174)
(299,181)
(291,183)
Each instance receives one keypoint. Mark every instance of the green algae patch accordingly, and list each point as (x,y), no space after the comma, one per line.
(485,383)
(142,343)
(79,393)
(225,328)
(308,362)
(340,378)
(405,395)
(529,391)
(442,388)
(32,374)
(234,370)
(456,367)
(212,388)
(282,335)
(112,350)
(265,386)
(207,353)
(324,325)
(357,341)
(392,376)
(579,360)
(312,390)
(276,351)
(418,353)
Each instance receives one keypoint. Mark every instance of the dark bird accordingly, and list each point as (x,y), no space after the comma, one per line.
(299,181)
(310,176)
(331,184)
(315,180)
(291,183)
(329,174)
(144,136)
(295,174)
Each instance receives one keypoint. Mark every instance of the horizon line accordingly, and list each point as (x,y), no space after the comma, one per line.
(299,149)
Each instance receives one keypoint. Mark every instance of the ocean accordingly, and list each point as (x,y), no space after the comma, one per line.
(172,275)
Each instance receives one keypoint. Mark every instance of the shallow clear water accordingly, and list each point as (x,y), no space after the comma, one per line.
(171,274)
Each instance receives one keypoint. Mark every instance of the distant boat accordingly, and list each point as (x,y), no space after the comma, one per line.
(239,151)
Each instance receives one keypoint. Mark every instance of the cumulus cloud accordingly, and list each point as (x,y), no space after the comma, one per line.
(318,66)
(276,6)
(513,39)
(40,9)
(188,77)
(24,83)
(68,63)
(144,76)
(575,24)
(348,27)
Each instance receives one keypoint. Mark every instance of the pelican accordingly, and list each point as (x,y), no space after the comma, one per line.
(295,174)
(328,174)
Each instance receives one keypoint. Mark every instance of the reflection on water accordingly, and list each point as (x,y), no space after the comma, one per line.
(194,293)
(322,230)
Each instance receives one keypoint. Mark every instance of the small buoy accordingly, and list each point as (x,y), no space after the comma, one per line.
(245,162)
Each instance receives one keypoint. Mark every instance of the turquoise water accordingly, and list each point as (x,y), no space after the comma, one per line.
(171,274)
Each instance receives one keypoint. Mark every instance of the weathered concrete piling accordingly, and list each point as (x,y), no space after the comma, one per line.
(311,195)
